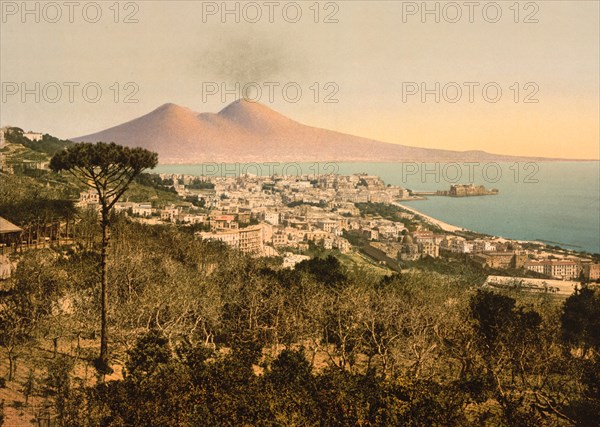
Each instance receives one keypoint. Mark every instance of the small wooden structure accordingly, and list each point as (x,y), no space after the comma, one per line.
(10,236)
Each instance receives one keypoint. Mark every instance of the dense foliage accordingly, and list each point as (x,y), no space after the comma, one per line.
(207,336)
(38,210)
(48,144)
(155,181)
(198,184)
(389,212)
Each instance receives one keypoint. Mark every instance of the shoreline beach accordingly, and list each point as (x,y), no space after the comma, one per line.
(439,223)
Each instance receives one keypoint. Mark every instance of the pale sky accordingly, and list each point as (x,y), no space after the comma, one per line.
(371,57)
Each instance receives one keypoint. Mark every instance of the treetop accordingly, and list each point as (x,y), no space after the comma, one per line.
(103,156)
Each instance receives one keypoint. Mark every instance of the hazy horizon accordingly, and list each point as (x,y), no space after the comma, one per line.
(367,58)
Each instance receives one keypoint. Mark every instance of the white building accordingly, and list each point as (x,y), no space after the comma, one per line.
(342,245)
(142,209)
(563,269)
(457,245)
(249,240)
(169,214)
(33,136)
(89,199)
(272,217)
(480,245)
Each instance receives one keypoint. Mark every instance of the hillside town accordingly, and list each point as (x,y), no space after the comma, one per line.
(283,216)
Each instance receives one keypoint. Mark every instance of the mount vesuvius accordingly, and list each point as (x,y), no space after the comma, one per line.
(246,131)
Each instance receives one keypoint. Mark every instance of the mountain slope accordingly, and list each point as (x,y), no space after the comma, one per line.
(245,131)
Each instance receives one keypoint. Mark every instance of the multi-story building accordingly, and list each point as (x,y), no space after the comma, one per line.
(247,240)
(169,214)
(142,209)
(481,245)
(561,269)
(89,199)
(223,222)
(123,207)
(251,239)
(429,249)
(457,245)
(371,233)
(328,225)
(380,197)
(421,236)
(279,239)
(536,266)
(565,269)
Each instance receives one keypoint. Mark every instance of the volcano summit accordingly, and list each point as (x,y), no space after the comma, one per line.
(246,131)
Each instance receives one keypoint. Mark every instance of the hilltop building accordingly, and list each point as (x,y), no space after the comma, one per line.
(33,136)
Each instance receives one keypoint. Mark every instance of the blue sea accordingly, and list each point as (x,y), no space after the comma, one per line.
(554,202)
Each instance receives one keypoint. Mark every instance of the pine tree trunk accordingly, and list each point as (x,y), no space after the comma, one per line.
(104,290)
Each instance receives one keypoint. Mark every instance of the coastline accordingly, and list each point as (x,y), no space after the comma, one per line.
(453,228)
(439,223)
